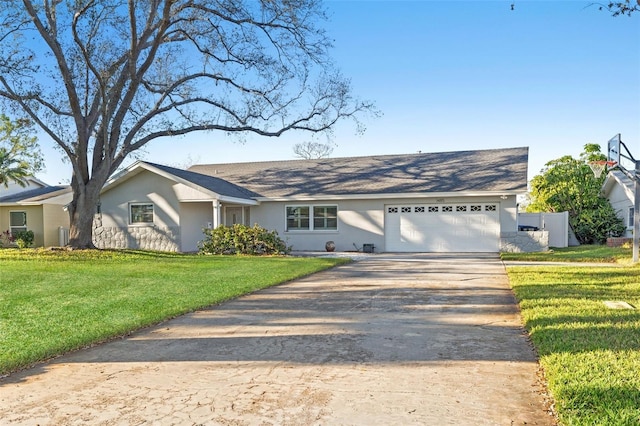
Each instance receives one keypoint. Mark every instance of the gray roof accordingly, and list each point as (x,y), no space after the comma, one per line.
(37,194)
(482,170)
(212,183)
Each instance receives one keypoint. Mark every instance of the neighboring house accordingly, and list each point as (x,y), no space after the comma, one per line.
(37,207)
(436,202)
(618,188)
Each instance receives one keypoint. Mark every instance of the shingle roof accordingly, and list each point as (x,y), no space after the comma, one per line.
(212,183)
(481,170)
(37,194)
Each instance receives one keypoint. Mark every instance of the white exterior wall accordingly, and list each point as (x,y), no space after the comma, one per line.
(194,217)
(145,187)
(180,213)
(361,221)
(112,227)
(621,202)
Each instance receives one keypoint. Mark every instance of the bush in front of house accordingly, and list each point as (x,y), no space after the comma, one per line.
(23,239)
(242,239)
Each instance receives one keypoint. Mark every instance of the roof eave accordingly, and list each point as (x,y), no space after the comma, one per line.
(386,196)
(137,167)
(57,197)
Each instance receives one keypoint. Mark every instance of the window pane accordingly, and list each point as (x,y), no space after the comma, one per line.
(297,218)
(17,219)
(630,218)
(142,213)
(325,217)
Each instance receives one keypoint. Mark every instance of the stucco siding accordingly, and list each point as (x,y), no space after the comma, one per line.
(194,217)
(54,217)
(4,219)
(272,216)
(112,227)
(145,187)
(360,221)
(186,193)
(620,201)
(34,221)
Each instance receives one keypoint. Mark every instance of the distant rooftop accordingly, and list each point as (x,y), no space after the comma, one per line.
(36,194)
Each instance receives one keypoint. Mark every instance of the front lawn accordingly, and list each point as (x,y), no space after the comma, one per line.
(586,253)
(52,302)
(590,353)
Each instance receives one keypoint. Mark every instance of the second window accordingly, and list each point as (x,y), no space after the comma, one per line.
(312,218)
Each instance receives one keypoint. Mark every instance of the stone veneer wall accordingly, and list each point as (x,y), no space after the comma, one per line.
(524,241)
(138,237)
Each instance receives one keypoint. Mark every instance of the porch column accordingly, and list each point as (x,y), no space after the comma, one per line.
(216,214)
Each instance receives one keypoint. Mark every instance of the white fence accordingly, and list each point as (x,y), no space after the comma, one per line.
(556,224)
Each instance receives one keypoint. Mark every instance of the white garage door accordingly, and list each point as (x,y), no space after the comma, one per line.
(442,228)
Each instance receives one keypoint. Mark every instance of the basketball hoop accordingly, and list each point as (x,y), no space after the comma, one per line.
(597,167)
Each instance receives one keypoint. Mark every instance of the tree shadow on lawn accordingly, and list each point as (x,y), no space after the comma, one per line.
(587,344)
(341,317)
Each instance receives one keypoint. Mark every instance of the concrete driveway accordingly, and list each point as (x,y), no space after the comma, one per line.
(390,340)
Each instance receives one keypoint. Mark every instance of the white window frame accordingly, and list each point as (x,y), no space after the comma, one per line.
(17,228)
(325,219)
(311,208)
(297,218)
(142,222)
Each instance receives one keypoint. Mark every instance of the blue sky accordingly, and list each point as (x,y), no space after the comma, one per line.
(459,75)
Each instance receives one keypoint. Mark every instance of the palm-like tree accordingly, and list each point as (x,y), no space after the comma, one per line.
(12,169)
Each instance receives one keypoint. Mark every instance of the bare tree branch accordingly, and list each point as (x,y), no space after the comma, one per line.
(312,150)
(105,78)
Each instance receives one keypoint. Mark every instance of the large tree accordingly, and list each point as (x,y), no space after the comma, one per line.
(20,155)
(312,150)
(625,7)
(568,184)
(103,78)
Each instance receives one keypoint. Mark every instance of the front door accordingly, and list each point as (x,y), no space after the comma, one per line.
(232,215)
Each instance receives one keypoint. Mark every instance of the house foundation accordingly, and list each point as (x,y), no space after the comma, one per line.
(144,238)
(524,241)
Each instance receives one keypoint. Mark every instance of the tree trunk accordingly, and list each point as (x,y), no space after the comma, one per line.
(81,214)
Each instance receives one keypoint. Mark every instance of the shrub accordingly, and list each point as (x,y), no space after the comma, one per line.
(242,239)
(594,225)
(23,239)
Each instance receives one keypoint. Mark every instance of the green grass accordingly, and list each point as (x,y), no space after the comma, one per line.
(54,302)
(590,353)
(587,253)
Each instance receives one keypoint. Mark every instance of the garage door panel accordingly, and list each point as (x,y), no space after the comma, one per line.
(442,228)
(413,230)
